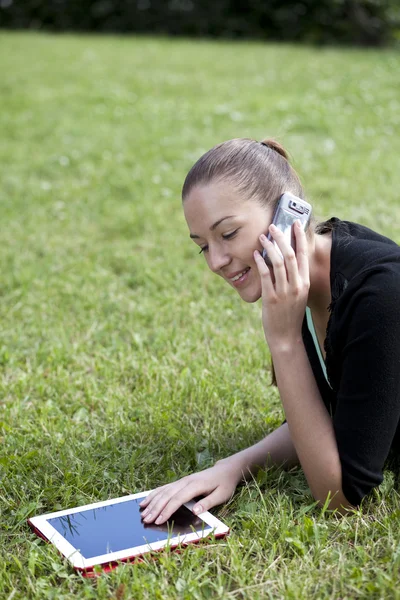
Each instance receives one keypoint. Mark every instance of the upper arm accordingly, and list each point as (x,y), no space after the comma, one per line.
(368,402)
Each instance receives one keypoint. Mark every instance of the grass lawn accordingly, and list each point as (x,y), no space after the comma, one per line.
(125,363)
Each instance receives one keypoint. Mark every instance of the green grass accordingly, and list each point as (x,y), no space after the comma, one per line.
(124,362)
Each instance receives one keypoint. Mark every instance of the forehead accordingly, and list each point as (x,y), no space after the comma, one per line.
(212,202)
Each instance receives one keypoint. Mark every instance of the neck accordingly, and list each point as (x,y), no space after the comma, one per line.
(319,296)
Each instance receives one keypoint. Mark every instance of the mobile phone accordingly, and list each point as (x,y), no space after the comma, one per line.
(288,210)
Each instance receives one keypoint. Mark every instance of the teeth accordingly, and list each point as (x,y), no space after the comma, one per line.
(240,274)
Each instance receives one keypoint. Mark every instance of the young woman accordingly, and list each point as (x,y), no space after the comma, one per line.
(331,317)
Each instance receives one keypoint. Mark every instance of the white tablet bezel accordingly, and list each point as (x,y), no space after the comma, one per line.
(79,562)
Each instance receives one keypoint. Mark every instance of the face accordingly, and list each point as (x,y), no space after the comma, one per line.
(226,228)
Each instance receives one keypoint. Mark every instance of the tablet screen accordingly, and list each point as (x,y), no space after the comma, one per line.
(119,526)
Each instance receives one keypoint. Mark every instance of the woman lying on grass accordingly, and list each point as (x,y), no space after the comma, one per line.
(340,385)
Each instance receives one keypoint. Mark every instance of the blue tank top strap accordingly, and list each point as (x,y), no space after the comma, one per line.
(311,329)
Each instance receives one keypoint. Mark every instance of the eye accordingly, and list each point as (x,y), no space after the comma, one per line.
(229,236)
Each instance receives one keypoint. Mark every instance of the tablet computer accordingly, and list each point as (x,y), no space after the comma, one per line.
(106,533)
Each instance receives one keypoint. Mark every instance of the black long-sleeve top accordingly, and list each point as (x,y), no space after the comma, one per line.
(362,348)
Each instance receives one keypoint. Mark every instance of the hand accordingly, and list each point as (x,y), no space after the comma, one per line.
(285,294)
(218,482)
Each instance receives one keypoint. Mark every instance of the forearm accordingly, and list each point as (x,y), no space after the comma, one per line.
(276,449)
(310,424)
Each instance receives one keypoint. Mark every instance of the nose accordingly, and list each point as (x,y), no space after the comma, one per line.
(217,259)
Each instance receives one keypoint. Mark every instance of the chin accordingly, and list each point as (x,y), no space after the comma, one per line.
(250,296)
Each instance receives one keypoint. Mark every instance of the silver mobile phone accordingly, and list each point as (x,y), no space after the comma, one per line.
(288,210)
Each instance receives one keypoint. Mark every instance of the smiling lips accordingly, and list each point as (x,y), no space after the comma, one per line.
(240,276)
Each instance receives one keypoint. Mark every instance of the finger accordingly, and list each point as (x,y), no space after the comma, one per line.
(302,252)
(278,264)
(159,502)
(218,496)
(150,497)
(289,256)
(267,285)
(192,490)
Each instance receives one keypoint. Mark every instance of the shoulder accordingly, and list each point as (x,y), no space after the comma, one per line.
(360,259)
(376,298)
(365,290)
(373,291)
(366,318)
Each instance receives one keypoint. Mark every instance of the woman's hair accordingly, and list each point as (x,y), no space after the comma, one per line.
(257,170)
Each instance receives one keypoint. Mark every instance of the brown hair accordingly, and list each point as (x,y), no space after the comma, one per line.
(257,170)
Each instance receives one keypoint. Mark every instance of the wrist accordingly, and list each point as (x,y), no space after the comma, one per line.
(234,465)
(286,347)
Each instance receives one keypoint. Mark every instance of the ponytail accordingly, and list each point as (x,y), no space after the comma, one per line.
(274,145)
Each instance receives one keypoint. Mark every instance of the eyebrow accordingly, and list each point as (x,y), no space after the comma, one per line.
(194,236)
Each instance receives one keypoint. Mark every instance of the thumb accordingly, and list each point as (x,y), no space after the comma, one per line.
(216,497)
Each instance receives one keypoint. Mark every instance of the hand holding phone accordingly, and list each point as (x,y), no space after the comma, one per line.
(289,209)
(285,285)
